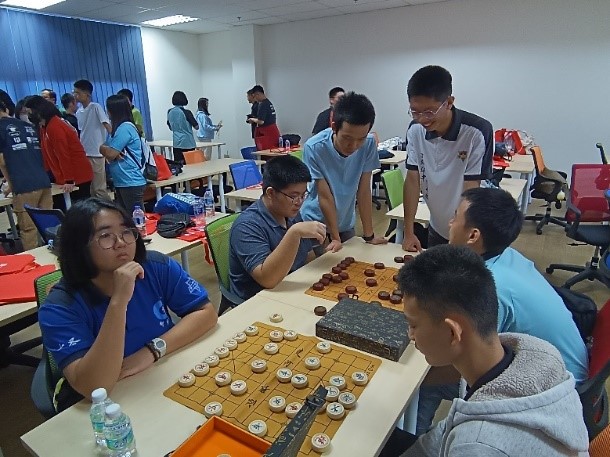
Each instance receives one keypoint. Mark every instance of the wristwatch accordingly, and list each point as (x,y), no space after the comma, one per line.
(368,238)
(159,346)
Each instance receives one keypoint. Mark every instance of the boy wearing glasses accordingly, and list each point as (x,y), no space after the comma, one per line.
(448,151)
(270,240)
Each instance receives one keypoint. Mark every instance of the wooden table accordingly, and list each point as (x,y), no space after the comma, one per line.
(525,167)
(161,424)
(166,146)
(196,171)
(274,152)
(515,186)
(7,202)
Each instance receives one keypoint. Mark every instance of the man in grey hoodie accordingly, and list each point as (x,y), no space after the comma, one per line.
(517,398)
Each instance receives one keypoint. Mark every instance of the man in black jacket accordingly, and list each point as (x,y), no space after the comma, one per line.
(325,118)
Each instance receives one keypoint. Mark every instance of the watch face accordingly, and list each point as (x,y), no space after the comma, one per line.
(159,344)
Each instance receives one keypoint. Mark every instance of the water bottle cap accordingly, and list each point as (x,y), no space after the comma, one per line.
(99,395)
(137,207)
(113,410)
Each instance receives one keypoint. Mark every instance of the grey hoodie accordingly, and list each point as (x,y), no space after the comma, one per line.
(531,409)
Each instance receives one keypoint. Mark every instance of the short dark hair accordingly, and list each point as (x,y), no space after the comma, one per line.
(355,109)
(21,104)
(496,214)
(280,172)
(257,89)
(119,110)
(83,84)
(179,99)
(8,102)
(431,81)
(452,279)
(126,93)
(51,92)
(334,91)
(77,229)
(202,105)
(43,107)
(67,99)
(3,106)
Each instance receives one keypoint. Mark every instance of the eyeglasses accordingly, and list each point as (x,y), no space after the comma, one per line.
(108,240)
(428,115)
(295,200)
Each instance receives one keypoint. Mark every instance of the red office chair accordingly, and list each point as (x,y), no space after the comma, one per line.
(587,203)
(593,395)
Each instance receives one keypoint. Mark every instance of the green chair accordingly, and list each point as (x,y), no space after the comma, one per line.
(218,234)
(47,373)
(393,182)
(298,154)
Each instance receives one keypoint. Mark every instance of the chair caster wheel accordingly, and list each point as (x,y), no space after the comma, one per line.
(558,205)
(550,270)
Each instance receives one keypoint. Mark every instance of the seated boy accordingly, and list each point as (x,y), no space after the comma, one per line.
(517,397)
(269,239)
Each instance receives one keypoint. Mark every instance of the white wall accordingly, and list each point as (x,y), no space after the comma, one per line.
(173,62)
(540,66)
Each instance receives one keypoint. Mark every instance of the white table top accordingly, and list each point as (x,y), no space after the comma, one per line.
(161,424)
(514,186)
(55,190)
(198,144)
(522,164)
(249,195)
(399,157)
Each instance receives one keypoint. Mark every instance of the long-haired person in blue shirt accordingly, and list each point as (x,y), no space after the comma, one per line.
(181,122)
(206,126)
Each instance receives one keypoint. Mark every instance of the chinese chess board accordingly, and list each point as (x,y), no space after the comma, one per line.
(357,278)
(254,404)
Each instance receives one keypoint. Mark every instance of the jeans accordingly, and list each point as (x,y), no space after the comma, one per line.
(430,397)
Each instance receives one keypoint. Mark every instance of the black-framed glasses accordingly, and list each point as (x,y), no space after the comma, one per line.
(108,240)
(428,115)
(295,200)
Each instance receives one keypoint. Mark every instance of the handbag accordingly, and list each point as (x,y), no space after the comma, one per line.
(173,225)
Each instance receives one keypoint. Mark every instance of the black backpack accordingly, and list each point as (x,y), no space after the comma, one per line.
(583,309)
(174,225)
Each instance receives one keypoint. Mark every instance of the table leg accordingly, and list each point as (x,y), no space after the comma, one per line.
(400,233)
(219,152)
(524,200)
(11,221)
(187,186)
(67,200)
(221,190)
(184,258)
(410,417)
(158,192)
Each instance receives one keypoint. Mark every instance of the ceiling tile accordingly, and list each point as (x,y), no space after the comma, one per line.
(336,3)
(306,15)
(296,8)
(263,4)
(200,26)
(244,17)
(378,5)
(70,8)
(269,20)
(116,10)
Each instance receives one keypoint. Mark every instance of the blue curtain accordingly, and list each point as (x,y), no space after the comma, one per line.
(40,51)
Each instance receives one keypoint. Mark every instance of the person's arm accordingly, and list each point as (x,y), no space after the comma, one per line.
(116,144)
(107,126)
(365,207)
(208,127)
(326,200)
(471,184)
(60,140)
(101,365)
(411,190)
(109,153)
(190,118)
(277,265)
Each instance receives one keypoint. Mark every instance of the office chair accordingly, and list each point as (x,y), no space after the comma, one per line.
(218,234)
(245,174)
(44,219)
(47,373)
(246,152)
(592,392)
(602,153)
(547,186)
(587,203)
(600,446)
(298,154)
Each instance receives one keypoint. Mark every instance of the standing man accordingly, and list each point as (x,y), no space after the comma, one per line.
(94,125)
(325,118)
(69,103)
(22,166)
(341,160)
(266,133)
(138,120)
(253,110)
(448,152)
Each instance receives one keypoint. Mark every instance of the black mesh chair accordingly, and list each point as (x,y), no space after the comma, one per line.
(44,219)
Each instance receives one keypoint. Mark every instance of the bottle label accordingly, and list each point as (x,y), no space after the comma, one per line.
(98,427)
(119,436)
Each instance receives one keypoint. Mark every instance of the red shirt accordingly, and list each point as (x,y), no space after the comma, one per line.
(63,153)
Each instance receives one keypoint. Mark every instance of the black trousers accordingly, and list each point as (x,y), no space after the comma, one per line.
(434,239)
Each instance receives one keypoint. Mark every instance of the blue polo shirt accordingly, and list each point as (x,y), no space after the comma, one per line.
(126,170)
(182,129)
(70,319)
(528,304)
(254,235)
(341,173)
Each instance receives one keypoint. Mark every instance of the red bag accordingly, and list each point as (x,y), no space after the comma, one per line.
(512,139)
(163,171)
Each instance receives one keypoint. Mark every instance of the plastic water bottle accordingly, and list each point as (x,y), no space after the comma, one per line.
(119,434)
(139,218)
(280,143)
(208,203)
(99,399)
(287,144)
(199,211)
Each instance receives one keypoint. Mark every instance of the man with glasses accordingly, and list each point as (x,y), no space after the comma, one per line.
(448,151)
(270,240)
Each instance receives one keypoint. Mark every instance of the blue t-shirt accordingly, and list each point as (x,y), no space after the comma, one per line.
(254,235)
(528,304)
(125,171)
(341,173)
(206,127)
(23,157)
(70,320)
(181,128)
